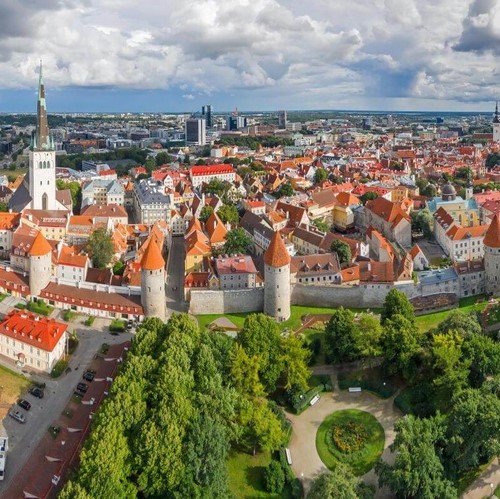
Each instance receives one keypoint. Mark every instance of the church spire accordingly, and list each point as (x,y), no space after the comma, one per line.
(41,139)
(496,119)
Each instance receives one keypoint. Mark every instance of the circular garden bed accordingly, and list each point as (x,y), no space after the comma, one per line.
(352,437)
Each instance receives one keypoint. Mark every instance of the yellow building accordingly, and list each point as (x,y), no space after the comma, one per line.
(464,211)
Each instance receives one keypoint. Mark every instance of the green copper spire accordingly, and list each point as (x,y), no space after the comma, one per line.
(41,140)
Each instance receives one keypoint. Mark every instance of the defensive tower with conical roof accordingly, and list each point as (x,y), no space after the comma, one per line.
(496,125)
(40,261)
(492,256)
(42,158)
(277,279)
(153,281)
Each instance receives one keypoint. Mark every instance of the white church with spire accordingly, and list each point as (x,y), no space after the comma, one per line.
(496,125)
(38,190)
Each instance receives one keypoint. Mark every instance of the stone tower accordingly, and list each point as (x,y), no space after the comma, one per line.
(496,125)
(492,257)
(42,159)
(277,280)
(40,261)
(153,281)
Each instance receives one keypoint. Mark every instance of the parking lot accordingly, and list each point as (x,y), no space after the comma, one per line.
(23,438)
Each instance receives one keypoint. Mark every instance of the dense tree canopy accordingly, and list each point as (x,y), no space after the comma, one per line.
(396,302)
(237,241)
(342,249)
(100,248)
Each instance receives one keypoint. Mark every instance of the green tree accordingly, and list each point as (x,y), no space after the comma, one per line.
(342,249)
(451,371)
(422,221)
(285,190)
(417,471)
(218,187)
(320,175)
(205,213)
(118,268)
(205,457)
(396,302)
(339,483)
(228,214)
(465,324)
(150,165)
(260,336)
(162,158)
(245,372)
(74,490)
(483,355)
(100,248)
(400,345)
(368,196)
(237,241)
(274,478)
(4,208)
(340,335)
(265,430)
(295,357)
(368,335)
(473,429)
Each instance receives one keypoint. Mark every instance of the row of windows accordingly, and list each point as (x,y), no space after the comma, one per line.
(21,344)
(44,164)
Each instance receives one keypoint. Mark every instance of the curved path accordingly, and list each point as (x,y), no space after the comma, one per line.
(306,461)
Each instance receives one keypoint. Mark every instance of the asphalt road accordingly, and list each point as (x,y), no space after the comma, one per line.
(174,287)
(23,438)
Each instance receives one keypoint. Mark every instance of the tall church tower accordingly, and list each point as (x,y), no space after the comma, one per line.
(496,125)
(491,243)
(42,159)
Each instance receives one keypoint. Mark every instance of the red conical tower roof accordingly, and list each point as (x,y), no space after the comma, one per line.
(276,254)
(40,246)
(492,237)
(152,258)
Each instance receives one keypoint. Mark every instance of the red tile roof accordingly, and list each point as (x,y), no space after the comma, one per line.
(492,237)
(40,246)
(32,329)
(211,170)
(152,258)
(276,254)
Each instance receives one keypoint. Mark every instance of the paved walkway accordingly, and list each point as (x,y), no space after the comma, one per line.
(482,486)
(306,461)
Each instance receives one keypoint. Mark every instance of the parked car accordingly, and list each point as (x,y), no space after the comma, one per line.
(18,416)
(36,392)
(88,375)
(82,387)
(77,393)
(24,404)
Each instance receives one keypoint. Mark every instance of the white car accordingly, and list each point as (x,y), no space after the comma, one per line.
(18,416)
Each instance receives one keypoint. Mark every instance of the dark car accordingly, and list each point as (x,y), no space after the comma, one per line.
(89,375)
(24,404)
(82,387)
(18,416)
(130,325)
(36,392)
(77,393)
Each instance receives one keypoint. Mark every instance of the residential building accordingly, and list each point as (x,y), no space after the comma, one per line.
(151,203)
(195,131)
(31,340)
(203,174)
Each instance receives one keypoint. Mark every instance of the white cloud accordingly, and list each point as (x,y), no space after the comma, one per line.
(314,52)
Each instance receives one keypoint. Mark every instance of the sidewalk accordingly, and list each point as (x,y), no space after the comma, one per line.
(482,486)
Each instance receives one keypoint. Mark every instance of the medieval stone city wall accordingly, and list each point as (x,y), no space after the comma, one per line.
(226,302)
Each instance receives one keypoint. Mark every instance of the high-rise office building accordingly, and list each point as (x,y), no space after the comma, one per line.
(234,122)
(196,131)
(206,112)
(282,119)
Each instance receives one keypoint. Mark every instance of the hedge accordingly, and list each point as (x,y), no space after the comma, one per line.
(300,402)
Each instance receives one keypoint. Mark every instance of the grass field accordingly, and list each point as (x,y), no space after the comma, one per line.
(246,476)
(12,385)
(292,324)
(360,461)
(467,305)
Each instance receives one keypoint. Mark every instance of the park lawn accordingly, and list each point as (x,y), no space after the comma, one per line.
(237,319)
(246,475)
(312,334)
(361,461)
(12,385)
(467,305)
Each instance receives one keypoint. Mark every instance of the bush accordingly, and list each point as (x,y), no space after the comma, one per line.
(59,368)
(348,437)
(274,478)
(68,315)
(39,307)
(117,325)
(89,320)
(300,401)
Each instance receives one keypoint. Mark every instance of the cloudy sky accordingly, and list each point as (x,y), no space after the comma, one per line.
(175,55)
